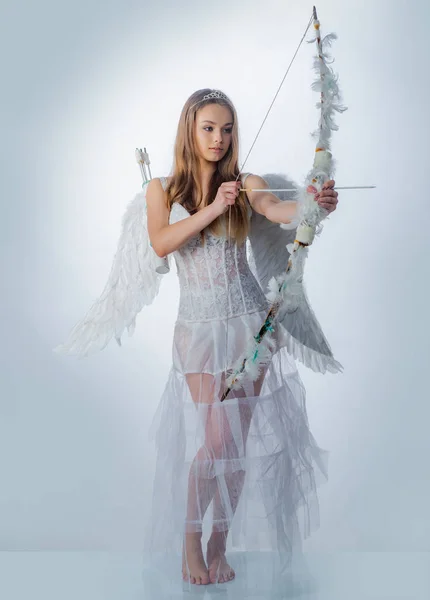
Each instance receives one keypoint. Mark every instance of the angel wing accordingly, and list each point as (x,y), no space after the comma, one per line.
(133,282)
(268,246)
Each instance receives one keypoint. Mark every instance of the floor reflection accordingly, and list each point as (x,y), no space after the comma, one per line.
(126,576)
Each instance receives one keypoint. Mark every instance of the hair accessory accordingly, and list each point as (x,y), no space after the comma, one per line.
(216,94)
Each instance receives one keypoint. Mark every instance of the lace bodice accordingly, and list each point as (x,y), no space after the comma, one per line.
(214,277)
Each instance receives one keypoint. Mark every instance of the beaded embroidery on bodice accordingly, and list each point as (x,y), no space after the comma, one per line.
(214,277)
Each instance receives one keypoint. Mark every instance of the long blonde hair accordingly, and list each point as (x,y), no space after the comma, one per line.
(185,181)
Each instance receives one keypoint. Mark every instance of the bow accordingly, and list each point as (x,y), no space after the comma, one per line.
(285,290)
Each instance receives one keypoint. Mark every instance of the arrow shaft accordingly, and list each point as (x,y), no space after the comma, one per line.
(342,187)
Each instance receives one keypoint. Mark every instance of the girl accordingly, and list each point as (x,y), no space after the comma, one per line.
(250,458)
(246,467)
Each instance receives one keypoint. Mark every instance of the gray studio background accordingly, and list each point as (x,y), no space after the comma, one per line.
(83,84)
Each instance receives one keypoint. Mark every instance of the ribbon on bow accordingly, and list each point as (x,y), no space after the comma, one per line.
(285,290)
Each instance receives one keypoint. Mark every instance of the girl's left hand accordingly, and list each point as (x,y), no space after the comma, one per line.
(327,197)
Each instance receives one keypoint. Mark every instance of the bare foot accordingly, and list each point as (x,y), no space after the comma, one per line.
(219,569)
(197,571)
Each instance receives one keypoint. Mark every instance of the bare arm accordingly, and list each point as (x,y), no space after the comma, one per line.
(267,204)
(166,238)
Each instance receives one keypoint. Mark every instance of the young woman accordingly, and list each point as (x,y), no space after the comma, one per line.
(243,470)
(247,465)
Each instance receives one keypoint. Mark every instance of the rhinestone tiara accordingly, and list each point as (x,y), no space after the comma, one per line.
(214,94)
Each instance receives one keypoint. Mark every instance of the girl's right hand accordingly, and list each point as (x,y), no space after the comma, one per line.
(226,195)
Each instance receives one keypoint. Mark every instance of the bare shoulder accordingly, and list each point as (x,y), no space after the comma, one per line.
(155,184)
(156,201)
(155,190)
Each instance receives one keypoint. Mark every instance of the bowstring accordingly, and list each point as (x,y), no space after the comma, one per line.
(276,95)
(243,165)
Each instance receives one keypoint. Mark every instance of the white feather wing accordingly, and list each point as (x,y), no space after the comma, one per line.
(269,258)
(133,282)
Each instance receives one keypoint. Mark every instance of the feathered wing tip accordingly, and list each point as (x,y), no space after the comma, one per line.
(305,339)
(132,283)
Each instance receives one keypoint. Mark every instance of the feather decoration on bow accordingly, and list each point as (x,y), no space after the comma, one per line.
(286,290)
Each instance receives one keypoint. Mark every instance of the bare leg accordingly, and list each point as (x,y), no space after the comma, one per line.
(194,567)
(201,488)
(219,569)
(200,493)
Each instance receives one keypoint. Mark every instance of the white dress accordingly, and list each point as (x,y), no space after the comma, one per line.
(248,464)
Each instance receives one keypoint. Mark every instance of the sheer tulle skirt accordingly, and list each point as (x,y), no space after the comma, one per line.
(248,466)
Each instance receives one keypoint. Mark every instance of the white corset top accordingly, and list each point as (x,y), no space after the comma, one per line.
(214,277)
